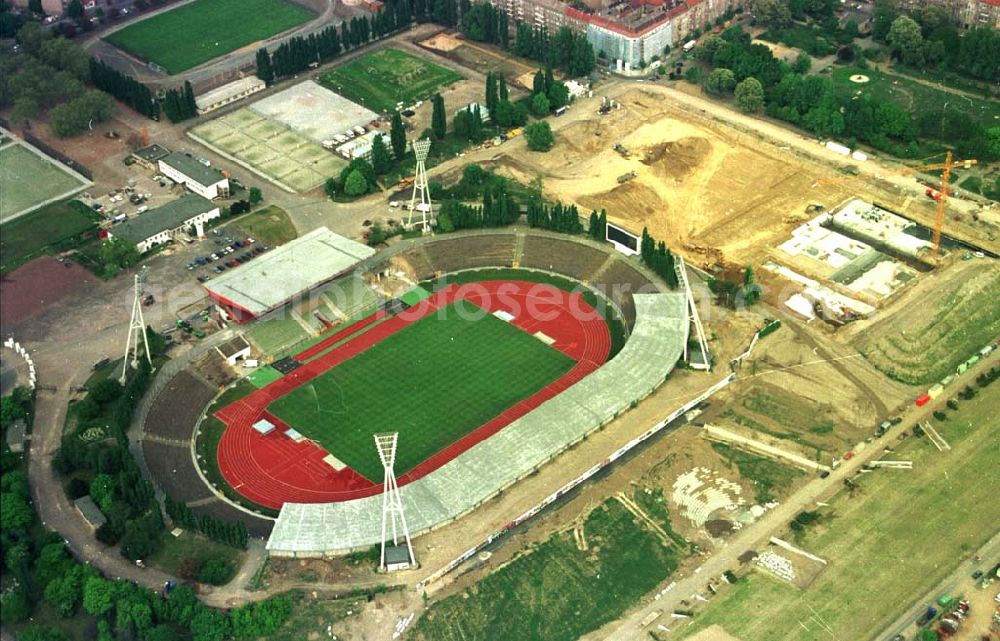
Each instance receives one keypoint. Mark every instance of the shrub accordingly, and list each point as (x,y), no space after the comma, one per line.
(215,572)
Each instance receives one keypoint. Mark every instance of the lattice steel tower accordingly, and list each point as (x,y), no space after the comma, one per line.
(392,503)
(420,150)
(137,327)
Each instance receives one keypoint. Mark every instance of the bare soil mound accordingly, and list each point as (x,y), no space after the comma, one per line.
(678,158)
(586,137)
(630,201)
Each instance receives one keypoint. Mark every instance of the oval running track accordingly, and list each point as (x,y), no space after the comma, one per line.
(273,469)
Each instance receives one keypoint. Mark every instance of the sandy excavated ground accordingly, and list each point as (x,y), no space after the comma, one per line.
(695,185)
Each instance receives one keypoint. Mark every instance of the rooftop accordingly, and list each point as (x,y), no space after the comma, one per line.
(233,346)
(192,168)
(151,153)
(90,511)
(271,280)
(228,90)
(163,218)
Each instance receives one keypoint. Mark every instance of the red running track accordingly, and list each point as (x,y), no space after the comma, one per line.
(272,470)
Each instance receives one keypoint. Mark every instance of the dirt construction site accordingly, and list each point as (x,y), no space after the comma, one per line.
(698,184)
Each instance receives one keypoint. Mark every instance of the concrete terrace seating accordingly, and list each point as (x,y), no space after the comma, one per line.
(479,473)
(418,261)
(619,282)
(562,257)
(467,252)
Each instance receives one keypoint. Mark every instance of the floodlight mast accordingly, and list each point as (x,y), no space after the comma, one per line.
(392,503)
(137,327)
(421,189)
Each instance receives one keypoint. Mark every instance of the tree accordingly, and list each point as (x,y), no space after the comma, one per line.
(705,51)
(81,113)
(540,105)
(539,135)
(355,185)
(15,512)
(118,252)
(397,136)
(364,167)
(538,83)
(209,625)
(907,41)
(215,572)
(491,93)
(256,196)
(502,92)
(105,390)
(35,7)
(264,69)
(74,9)
(803,63)
(439,124)
(750,95)
(98,595)
(720,82)
(885,13)
(66,592)
(14,605)
(381,160)
(773,13)
(558,94)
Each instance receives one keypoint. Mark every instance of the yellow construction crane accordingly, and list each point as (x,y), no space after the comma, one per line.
(940,196)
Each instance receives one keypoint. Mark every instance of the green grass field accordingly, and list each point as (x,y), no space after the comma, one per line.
(924,348)
(192,551)
(917,98)
(47,230)
(898,536)
(557,592)
(269,225)
(27,179)
(381,79)
(195,33)
(433,382)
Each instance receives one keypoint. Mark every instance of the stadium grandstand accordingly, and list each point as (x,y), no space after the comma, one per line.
(285,274)
(479,473)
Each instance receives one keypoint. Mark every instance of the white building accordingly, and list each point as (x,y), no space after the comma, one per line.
(234,350)
(228,93)
(165,223)
(199,178)
(361,147)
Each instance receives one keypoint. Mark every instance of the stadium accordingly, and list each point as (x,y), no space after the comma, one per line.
(489,354)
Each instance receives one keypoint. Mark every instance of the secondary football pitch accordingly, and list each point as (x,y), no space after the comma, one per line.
(433,382)
(195,33)
(28,181)
(381,79)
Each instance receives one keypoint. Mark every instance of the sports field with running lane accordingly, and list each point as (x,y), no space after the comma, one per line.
(433,382)
(195,33)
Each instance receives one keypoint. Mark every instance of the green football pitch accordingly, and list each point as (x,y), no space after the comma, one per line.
(380,79)
(195,33)
(433,382)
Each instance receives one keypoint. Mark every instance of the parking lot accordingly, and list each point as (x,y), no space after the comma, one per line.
(227,252)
